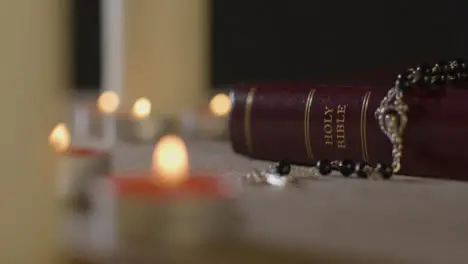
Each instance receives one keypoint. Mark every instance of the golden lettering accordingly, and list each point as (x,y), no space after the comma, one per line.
(340,130)
(334,127)
(329,140)
(340,119)
(340,144)
(341,109)
(340,140)
(328,129)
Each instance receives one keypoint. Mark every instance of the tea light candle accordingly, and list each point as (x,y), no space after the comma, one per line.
(139,126)
(76,166)
(211,122)
(103,121)
(168,208)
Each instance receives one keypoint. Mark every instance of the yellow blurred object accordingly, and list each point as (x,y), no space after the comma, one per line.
(170,160)
(220,105)
(142,108)
(59,138)
(108,102)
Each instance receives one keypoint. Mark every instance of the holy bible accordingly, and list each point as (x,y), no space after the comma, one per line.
(302,123)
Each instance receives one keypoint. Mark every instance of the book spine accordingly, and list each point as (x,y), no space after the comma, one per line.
(304,123)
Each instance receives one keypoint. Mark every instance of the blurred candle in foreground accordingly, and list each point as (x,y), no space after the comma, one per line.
(76,165)
(170,205)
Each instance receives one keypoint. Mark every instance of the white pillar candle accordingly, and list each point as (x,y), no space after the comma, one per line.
(113,44)
(34,77)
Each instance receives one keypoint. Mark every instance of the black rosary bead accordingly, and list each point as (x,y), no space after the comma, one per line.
(452,71)
(402,85)
(423,75)
(443,66)
(324,167)
(346,167)
(439,73)
(461,63)
(283,168)
(361,170)
(402,81)
(385,170)
(463,70)
(438,79)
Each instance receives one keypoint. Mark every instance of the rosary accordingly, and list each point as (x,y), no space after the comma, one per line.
(391,117)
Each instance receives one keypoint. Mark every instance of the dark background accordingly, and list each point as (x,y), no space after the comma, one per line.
(279,40)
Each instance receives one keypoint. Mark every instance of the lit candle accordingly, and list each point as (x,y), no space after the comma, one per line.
(104,118)
(141,108)
(210,122)
(76,165)
(139,126)
(168,208)
(220,105)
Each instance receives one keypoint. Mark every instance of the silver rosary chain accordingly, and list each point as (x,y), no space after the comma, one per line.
(392,119)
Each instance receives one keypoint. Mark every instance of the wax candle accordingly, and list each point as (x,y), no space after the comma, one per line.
(140,126)
(76,166)
(208,122)
(103,118)
(166,209)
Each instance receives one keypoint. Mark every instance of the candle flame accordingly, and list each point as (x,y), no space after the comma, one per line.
(141,108)
(220,105)
(170,160)
(59,138)
(108,102)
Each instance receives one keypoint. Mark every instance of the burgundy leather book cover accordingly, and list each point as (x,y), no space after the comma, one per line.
(302,123)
